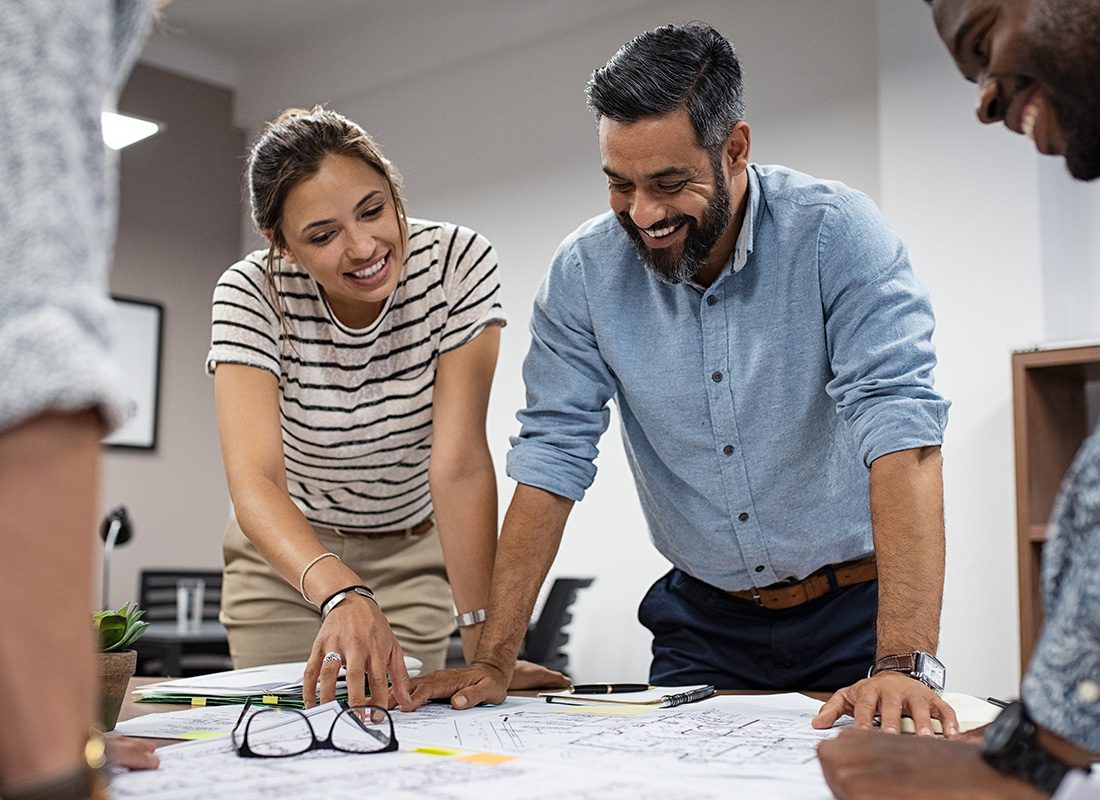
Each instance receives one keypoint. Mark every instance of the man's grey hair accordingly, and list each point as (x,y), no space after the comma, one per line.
(688,66)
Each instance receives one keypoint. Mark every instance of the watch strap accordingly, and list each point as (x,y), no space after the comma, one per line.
(1023,757)
(900,662)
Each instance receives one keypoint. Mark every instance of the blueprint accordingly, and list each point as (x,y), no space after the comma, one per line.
(724,747)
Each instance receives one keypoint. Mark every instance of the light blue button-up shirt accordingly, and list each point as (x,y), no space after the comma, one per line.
(750,409)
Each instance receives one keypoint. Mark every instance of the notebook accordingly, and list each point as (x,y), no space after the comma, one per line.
(972,712)
(656,696)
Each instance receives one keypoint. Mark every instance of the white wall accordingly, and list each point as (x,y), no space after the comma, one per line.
(966,198)
(1070,236)
(499,139)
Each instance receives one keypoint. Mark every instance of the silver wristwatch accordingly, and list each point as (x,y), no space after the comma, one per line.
(923,666)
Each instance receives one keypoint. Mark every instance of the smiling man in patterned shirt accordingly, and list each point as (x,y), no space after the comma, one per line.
(1037,67)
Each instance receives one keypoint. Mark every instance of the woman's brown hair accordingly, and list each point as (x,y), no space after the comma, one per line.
(289,150)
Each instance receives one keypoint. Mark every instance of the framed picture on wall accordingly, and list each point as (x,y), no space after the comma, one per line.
(139,325)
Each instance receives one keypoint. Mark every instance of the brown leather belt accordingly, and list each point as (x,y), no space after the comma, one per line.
(419,529)
(816,584)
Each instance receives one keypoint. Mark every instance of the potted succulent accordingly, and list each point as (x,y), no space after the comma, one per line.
(117,660)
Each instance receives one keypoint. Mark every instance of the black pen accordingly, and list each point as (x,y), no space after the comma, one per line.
(996,702)
(608,688)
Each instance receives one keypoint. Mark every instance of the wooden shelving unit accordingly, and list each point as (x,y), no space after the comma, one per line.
(1051,417)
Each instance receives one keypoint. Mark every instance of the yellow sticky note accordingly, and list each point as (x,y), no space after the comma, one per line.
(271,700)
(198,701)
(202,735)
(487,758)
(436,751)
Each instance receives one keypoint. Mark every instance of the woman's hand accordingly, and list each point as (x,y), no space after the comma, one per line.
(357,630)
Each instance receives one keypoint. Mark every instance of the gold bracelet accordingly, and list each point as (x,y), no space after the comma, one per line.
(305,569)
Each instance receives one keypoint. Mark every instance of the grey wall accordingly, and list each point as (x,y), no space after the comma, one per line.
(178,229)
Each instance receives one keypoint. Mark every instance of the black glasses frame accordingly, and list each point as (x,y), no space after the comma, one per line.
(245,751)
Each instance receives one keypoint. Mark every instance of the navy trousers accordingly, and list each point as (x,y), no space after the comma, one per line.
(703,635)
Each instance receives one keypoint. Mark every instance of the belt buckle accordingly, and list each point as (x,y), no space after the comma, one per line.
(756,597)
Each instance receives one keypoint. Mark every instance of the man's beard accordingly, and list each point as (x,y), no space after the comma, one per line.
(674,265)
(1066,50)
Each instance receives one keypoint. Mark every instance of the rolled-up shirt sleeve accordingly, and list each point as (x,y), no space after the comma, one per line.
(878,325)
(568,388)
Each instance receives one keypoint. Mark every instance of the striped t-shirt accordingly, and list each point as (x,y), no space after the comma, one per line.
(356,405)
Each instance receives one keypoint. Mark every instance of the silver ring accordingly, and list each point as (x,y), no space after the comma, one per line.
(331,657)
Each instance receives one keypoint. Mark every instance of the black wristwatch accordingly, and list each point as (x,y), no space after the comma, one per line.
(1011,746)
(923,666)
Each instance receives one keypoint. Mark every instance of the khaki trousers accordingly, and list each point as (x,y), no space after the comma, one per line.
(269,623)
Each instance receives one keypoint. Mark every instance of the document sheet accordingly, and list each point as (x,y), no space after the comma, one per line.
(723,747)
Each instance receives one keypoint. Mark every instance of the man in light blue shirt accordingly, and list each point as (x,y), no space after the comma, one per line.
(770,354)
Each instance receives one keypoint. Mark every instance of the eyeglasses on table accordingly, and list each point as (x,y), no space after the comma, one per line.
(357,729)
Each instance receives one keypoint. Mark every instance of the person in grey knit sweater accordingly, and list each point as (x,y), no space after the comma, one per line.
(61,61)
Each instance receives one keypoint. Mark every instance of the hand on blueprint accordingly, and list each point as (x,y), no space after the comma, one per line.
(466,687)
(124,751)
(535,676)
(357,631)
(889,695)
(868,764)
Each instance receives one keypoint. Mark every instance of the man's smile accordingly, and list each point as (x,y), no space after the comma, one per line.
(662,234)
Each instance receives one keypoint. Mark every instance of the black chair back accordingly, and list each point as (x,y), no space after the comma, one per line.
(547,636)
(157,592)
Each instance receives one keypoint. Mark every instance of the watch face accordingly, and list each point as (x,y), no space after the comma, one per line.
(929,669)
(1001,730)
(935,671)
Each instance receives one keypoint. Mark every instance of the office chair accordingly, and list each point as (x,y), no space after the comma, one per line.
(546,636)
(161,651)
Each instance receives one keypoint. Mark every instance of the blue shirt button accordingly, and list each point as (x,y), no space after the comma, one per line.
(716,377)
(743,517)
(728,449)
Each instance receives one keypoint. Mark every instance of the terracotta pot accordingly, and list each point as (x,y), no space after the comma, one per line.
(115,671)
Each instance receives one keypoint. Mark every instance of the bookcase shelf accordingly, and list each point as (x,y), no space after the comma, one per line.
(1052,415)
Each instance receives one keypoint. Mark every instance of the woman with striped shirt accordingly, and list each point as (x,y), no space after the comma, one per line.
(352,363)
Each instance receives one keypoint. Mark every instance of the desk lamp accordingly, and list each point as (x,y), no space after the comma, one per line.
(115,530)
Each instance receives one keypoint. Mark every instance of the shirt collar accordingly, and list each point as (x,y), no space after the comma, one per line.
(743,247)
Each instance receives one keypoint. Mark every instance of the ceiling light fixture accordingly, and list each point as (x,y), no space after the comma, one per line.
(121,130)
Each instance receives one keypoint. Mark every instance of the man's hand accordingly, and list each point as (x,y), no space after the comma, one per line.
(535,676)
(890,695)
(466,687)
(860,765)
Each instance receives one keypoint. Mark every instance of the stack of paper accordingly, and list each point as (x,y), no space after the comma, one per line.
(272,684)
